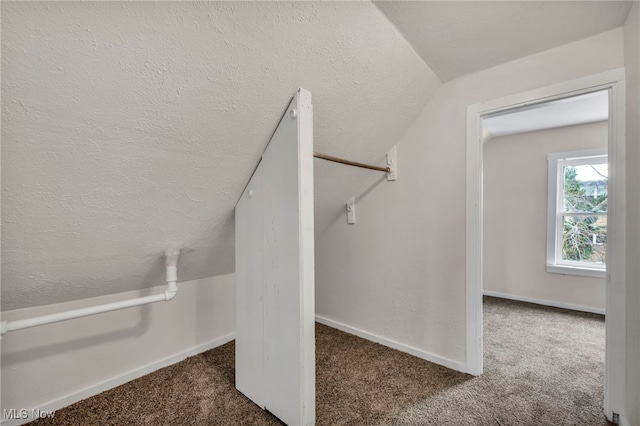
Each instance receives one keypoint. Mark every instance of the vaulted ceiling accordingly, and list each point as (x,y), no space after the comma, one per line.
(131,127)
(582,109)
(128,128)
(461,37)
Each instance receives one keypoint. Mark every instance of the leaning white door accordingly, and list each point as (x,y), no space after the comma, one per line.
(275,347)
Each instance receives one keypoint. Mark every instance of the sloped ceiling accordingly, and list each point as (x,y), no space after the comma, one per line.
(461,37)
(128,128)
(581,109)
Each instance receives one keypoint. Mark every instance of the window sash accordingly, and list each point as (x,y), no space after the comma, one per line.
(561,163)
(559,242)
(555,219)
(582,213)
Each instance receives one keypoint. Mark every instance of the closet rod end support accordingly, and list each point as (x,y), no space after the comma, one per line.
(392,164)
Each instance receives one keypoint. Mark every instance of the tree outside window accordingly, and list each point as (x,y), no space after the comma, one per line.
(577,213)
(584,237)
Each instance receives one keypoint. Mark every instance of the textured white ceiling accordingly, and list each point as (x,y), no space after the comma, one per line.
(128,128)
(581,109)
(461,37)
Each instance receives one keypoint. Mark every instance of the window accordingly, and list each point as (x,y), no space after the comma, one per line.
(577,212)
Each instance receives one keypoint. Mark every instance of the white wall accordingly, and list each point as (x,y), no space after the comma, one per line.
(399,272)
(132,127)
(58,364)
(632,65)
(515,216)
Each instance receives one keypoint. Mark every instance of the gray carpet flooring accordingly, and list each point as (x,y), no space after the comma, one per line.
(543,366)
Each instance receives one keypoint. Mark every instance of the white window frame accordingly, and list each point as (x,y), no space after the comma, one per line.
(557,162)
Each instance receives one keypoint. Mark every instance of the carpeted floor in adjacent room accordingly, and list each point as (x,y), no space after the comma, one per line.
(543,366)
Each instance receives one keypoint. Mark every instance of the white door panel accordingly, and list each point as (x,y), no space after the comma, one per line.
(276,321)
(249,292)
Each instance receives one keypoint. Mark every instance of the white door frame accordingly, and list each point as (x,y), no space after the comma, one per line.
(614,392)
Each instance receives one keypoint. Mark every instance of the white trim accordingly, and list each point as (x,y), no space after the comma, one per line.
(544,302)
(436,359)
(582,271)
(623,421)
(612,80)
(474,343)
(555,211)
(581,153)
(92,390)
(616,325)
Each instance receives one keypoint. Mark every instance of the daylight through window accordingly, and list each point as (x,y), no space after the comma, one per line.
(577,222)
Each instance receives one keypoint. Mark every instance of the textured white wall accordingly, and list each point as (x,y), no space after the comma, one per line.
(515,215)
(632,65)
(132,127)
(49,364)
(399,272)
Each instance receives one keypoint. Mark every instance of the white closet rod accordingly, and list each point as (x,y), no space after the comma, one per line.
(171,262)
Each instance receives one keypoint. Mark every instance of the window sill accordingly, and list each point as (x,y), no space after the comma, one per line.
(572,270)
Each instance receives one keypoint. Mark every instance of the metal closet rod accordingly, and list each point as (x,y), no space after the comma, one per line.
(350,163)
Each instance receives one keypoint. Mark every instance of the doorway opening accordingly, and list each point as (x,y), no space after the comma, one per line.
(545,174)
(612,84)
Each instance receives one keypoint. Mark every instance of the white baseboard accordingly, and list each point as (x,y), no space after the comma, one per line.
(544,302)
(623,421)
(454,365)
(119,380)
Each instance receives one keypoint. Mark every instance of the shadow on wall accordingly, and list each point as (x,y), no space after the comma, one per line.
(214,305)
(359,196)
(39,352)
